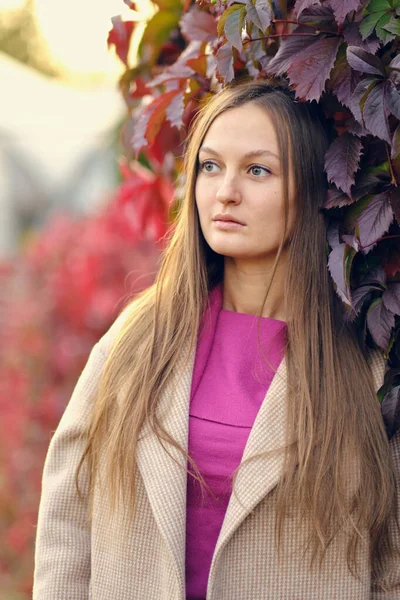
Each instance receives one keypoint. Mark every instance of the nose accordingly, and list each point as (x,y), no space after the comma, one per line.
(229,191)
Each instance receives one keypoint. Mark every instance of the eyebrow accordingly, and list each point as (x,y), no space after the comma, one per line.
(251,154)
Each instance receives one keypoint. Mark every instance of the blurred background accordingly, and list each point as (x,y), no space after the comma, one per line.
(75,243)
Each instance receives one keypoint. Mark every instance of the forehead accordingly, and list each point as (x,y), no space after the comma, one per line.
(242,128)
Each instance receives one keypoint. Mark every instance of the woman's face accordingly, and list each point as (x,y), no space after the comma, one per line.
(240,177)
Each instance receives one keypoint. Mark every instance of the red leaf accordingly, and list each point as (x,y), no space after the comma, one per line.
(341,8)
(130,4)
(138,88)
(342,161)
(310,69)
(120,37)
(374,220)
(158,113)
(199,25)
(224,59)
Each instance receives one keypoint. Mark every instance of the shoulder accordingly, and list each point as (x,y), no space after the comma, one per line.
(108,340)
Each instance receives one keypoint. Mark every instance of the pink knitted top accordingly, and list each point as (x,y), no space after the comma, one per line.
(230,381)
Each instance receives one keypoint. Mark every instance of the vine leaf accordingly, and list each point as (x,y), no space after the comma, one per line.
(343,80)
(288,49)
(391,410)
(259,13)
(375,114)
(224,58)
(363,61)
(380,322)
(120,37)
(232,25)
(339,263)
(341,8)
(374,220)
(309,70)
(391,297)
(342,161)
(198,25)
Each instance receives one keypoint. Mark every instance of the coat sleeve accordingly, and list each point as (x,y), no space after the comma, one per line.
(62,551)
(391,576)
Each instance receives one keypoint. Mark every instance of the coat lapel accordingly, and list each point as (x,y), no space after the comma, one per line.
(259,476)
(164,470)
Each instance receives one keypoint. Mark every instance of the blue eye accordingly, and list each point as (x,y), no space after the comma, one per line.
(262,171)
(207,163)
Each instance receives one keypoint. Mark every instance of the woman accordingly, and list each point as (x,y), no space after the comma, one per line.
(225,440)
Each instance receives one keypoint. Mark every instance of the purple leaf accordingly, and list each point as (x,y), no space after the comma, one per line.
(341,8)
(380,323)
(301,5)
(342,161)
(374,113)
(174,110)
(287,51)
(336,199)
(310,69)
(355,127)
(343,80)
(224,58)
(339,264)
(395,143)
(395,202)
(198,25)
(376,277)
(233,27)
(358,296)
(392,98)
(141,119)
(391,297)
(357,100)
(352,36)
(260,13)
(363,61)
(333,234)
(351,240)
(390,408)
(374,220)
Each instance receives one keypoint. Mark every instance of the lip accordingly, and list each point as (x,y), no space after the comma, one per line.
(228,219)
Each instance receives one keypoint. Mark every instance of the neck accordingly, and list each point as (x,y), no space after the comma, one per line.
(245,285)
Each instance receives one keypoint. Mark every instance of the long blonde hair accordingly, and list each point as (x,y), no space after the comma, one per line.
(334,412)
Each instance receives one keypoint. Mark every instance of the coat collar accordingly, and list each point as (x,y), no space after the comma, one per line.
(164,473)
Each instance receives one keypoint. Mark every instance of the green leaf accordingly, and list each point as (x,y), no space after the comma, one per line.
(233,28)
(368,24)
(223,18)
(378,6)
(383,35)
(393,26)
(157,32)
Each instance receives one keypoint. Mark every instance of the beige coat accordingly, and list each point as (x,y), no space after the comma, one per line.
(145,559)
